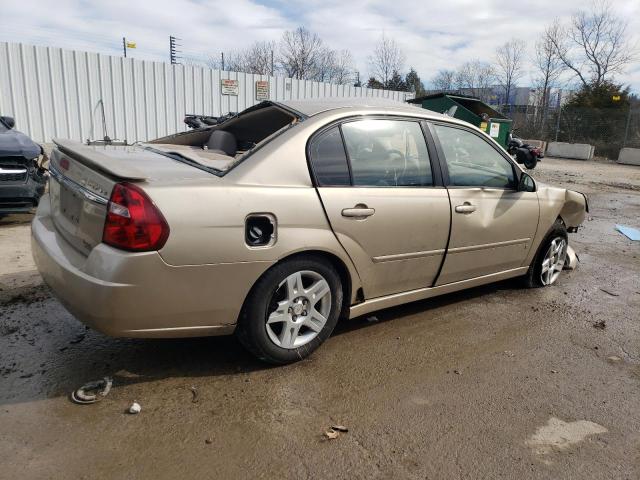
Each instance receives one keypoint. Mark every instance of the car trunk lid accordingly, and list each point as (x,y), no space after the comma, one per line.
(83,177)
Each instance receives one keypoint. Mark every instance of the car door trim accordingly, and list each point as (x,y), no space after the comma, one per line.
(407,256)
(485,246)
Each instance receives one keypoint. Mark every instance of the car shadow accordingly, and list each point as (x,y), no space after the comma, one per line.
(50,365)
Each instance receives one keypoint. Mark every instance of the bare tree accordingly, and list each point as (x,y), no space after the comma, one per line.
(509,57)
(444,80)
(300,53)
(549,67)
(387,57)
(344,69)
(475,78)
(594,46)
(258,59)
(334,66)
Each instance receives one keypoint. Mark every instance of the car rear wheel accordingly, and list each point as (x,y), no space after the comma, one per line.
(291,310)
(550,259)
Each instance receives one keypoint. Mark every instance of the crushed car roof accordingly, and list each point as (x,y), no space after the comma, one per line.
(319,105)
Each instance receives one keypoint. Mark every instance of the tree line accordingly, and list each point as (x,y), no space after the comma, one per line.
(586,52)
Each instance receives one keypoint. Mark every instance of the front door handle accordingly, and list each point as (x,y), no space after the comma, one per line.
(466,207)
(359,211)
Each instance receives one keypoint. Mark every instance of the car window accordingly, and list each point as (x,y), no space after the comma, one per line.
(329,160)
(387,153)
(472,161)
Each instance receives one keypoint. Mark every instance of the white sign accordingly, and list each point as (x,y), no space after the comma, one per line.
(495,130)
(229,87)
(262,90)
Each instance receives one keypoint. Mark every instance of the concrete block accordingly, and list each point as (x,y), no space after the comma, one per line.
(578,151)
(541,144)
(629,156)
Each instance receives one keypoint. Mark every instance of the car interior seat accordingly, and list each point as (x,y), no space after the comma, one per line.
(223,142)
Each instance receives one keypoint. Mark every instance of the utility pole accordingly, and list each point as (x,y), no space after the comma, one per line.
(559,108)
(124,46)
(626,128)
(173,43)
(222,60)
(272,70)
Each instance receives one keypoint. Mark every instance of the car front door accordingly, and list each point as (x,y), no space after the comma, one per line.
(386,205)
(492,223)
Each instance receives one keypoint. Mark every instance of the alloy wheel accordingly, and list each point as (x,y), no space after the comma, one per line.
(553,261)
(299,309)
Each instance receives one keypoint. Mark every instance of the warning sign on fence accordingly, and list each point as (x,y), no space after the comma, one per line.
(262,90)
(229,87)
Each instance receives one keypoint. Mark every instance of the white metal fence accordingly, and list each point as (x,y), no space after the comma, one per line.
(53,92)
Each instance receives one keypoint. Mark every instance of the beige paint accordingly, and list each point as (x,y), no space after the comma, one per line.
(196,284)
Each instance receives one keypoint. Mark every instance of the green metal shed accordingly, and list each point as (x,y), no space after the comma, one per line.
(469,109)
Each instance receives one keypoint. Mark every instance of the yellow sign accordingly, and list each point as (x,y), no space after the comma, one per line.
(131,44)
(615,98)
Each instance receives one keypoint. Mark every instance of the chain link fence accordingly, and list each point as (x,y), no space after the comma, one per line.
(608,129)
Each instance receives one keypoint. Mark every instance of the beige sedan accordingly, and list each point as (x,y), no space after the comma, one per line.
(289,216)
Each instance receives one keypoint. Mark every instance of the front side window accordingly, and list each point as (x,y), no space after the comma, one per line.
(472,161)
(329,160)
(387,153)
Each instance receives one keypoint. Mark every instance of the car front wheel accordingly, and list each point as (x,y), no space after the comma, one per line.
(291,310)
(550,259)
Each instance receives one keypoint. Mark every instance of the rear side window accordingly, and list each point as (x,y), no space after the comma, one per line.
(329,160)
(387,153)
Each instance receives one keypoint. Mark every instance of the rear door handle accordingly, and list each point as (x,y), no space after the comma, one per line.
(466,207)
(359,211)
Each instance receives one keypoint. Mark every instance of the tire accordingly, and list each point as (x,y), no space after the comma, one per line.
(534,277)
(530,162)
(281,320)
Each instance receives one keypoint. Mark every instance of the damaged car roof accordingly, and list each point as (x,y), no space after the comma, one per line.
(319,105)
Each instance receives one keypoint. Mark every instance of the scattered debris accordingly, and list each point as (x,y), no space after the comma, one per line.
(509,353)
(457,372)
(614,358)
(135,408)
(630,233)
(610,293)
(554,371)
(331,434)
(194,392)
(372,319)
(340,428)
(208,441)
(100,387)
(601,325)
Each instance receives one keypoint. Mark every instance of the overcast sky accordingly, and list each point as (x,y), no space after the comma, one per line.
(433,35)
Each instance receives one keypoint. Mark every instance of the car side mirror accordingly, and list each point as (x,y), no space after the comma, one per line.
(10,122)
(527,183)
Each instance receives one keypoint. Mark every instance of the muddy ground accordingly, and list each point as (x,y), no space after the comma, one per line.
(495,382)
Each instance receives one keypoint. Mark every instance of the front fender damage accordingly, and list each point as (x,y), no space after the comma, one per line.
(574,210)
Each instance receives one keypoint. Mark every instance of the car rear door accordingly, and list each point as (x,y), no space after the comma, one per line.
(492,223)
(385,202)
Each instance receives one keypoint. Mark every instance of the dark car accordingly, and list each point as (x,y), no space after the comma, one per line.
(22,180)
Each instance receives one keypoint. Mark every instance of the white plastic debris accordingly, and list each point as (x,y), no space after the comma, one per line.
(135,408)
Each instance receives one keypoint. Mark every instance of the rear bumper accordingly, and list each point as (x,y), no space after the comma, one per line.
(137,294)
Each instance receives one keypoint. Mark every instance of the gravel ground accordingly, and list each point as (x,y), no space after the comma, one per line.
(494,382)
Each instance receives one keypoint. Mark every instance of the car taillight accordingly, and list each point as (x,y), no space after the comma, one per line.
(133,222)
